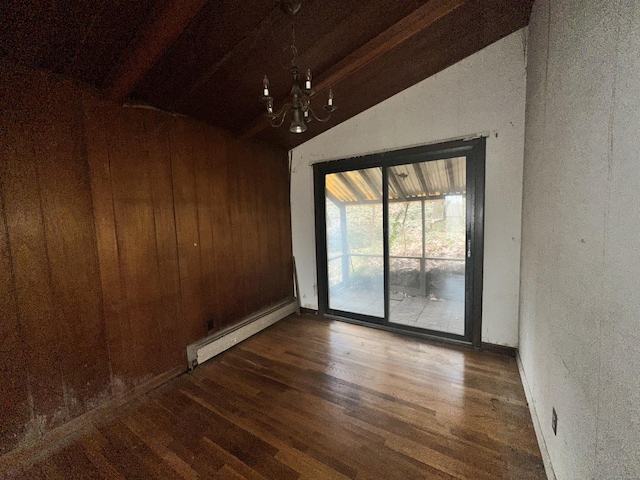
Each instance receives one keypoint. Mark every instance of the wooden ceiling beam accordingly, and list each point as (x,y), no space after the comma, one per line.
(361,197)
(155,37)
(450,175)
(397,186)
(401,32)
(257,32)
(376,189)
(417,167)
(390,39)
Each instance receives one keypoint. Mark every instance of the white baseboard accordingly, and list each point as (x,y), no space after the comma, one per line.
(546,459)
(209,347)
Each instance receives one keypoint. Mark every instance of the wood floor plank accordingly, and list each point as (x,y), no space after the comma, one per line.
(245,413)
(313,398)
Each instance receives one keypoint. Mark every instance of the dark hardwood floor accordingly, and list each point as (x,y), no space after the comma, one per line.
(312,398)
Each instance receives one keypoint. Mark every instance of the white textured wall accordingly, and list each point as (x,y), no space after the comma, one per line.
(483,93)
(580,285)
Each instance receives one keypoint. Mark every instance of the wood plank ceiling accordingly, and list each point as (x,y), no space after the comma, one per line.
(206,59)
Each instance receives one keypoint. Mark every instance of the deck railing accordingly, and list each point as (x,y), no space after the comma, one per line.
(423,267)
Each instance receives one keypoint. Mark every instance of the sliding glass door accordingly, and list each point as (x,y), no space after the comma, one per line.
(355,242)
(427,239)
(399,239)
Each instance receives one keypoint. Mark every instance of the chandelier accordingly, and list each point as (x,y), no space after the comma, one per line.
(301,91)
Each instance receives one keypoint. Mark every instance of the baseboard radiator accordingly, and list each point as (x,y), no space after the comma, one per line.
(209,347)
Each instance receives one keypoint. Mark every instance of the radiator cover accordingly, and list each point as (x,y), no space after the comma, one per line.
(202,350)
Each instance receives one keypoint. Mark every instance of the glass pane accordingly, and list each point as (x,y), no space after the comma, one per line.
(355,241)
(427,237)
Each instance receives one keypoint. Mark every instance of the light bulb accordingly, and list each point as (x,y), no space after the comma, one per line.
(265,85)
(307,84)
(330,100)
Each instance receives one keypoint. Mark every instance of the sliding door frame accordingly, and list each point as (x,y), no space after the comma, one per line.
(475,152)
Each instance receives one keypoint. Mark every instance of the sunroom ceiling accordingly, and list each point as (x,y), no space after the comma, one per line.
(416,181)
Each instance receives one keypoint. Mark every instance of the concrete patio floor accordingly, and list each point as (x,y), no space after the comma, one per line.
(443,314)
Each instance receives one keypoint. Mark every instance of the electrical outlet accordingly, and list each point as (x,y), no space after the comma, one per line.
(554,421)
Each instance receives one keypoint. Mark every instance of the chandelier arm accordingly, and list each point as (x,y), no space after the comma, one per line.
(273,118)
(283,111)
(322,120)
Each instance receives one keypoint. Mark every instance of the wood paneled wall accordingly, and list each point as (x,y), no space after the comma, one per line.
(122,231)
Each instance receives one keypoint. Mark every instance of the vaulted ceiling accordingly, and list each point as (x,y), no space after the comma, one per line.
(206,59)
